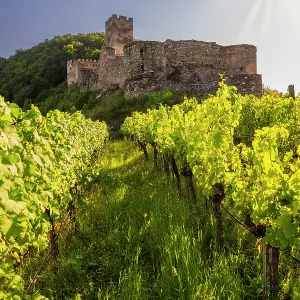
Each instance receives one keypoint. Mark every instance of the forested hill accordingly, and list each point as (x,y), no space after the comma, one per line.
(29,75)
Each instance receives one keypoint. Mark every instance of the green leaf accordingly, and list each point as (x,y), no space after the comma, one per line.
(5,223)
(30,169)
(15,110)
(13,158)
(6,118)
(12,206)
(285,222)
(14,231)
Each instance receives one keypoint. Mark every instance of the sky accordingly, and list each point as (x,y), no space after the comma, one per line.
(273,26)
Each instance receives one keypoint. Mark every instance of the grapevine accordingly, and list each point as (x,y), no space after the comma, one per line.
(42,158)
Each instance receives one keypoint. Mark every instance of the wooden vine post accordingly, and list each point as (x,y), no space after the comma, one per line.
(291,90)
(217,199)
(273,262)
(272,257)
(270,260)
(264,261)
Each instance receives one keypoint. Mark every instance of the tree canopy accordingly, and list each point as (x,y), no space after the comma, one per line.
(29,75)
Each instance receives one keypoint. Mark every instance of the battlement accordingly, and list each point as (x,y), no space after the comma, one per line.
(83,63)
(71,63)
(118,32)
(82,59)
(116,18)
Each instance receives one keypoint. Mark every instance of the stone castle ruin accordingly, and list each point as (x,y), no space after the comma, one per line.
(142,66)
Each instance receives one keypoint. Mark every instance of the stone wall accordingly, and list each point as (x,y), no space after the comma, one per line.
(111,70)
(184,65)
(188,65)
(192,65)
(239,59)
(72,72)
(246,83)
(83,73)
(145,67)
(118,32)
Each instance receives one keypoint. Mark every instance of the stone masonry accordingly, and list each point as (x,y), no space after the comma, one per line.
(143,66)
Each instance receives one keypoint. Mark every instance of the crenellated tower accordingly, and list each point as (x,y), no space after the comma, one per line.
(83,73)
(118,32)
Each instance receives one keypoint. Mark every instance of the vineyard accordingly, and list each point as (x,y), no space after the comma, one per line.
(44,162)
(212,211)
(243,155)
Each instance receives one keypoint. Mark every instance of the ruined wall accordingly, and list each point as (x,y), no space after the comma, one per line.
(83,73)
(111,69)
(193,65)
(240,64)
(72,72)
(118,32)
(246,83)
(145,67)
(239,59)
(189,65)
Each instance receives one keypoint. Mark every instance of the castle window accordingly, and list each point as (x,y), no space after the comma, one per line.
(242,69)
(142,51)
(142,68)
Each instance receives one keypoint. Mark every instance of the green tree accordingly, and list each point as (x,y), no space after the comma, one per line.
(29,75)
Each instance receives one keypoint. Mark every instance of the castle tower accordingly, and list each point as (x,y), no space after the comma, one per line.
(239,59)
(145,67)
(83,73)
(72,72)
(118,32)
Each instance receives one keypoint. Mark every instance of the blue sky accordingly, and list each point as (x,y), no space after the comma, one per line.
(271,25)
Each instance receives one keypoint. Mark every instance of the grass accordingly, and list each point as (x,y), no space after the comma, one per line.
(138,239)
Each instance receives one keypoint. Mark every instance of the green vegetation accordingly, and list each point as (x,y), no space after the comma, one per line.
(137,239)
(243,154)
(30,75)
(138,231)
(44,163)
(108,105)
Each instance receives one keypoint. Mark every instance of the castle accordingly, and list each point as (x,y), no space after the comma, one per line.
(142,66)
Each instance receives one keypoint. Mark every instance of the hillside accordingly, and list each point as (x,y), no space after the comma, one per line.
(29,76)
